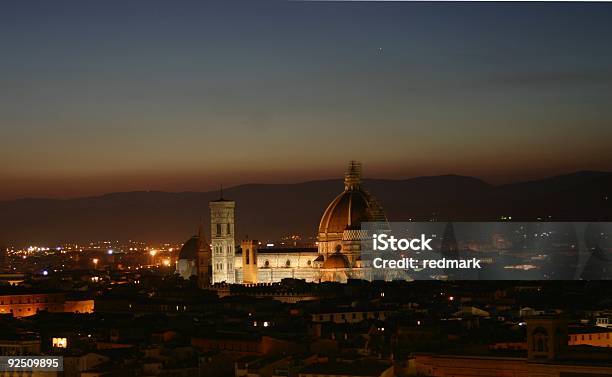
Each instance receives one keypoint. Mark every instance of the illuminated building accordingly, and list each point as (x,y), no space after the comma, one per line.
(59,342)
(341,222)
(222,239)
(186,263)
(591,336)
(337,257)
(249,261)
(204,261)
(27,304)
(194,259)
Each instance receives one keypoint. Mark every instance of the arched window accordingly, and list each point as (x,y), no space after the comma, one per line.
(540,340)
(540,345)
(248,254)
(267,264)
(288,263)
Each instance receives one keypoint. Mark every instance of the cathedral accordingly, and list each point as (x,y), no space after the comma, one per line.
(337,256)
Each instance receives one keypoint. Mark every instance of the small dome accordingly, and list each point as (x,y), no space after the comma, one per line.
(336,260)
(189,250)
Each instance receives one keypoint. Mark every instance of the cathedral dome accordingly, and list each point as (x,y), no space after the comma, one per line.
(352,207)
(336,260)
(347,210)
(189,250)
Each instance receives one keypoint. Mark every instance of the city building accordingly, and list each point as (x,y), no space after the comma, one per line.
(195,259)
(548,355)
(222,240)
(337,257)
(356,369)
(23,303)
(19,344)
(595,336)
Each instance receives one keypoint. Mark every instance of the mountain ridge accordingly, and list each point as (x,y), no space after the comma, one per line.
(269,211)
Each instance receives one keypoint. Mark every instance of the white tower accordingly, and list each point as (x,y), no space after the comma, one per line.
(222,237)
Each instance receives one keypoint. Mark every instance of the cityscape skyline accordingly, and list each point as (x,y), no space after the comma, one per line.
(305,188)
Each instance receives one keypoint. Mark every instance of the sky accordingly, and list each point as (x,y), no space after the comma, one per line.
(107,96)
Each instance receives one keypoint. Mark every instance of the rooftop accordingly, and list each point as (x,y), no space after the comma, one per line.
(347,369)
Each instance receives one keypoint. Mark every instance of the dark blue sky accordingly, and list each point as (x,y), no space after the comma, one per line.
(100,96)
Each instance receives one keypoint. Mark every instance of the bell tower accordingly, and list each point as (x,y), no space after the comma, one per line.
(222,239)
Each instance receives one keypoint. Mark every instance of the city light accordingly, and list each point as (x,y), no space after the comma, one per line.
(59,342)
(122,125)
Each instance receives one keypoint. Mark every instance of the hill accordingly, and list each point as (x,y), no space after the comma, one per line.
(268,211)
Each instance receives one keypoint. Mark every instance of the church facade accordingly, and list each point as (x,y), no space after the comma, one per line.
(337,256)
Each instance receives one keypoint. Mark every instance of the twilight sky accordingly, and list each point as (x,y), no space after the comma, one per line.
(100,96)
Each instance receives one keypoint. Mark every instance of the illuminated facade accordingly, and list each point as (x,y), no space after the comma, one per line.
(249,250)
(222,240)
(595,337)
(194,259)
(337,257)
(24,305)
(186,265)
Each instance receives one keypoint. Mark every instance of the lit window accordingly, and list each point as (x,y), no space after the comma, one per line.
(60,342)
